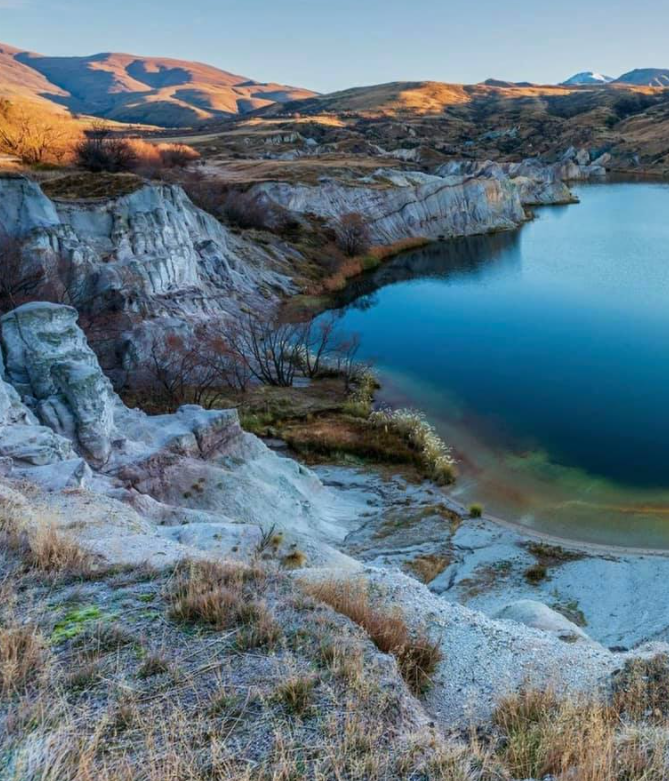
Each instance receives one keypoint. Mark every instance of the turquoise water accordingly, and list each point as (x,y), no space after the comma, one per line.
(542,356)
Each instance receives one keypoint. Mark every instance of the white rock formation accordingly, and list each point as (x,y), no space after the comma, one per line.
(536,183)
(397,205)
(539,616)
(146,261)
(195,472)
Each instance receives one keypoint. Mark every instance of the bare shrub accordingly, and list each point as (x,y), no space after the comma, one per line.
(102,150)
(417,656)
(35,136)
(271,351)
(246,210)
(195,371)
(206,192)
(157,160)
(352,234)
(275,352)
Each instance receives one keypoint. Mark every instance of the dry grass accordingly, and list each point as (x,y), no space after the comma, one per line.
(223,596)
(86,186)
(541,734)
(416,654)
(295,694)
(22,657)
(427,567)
(294,560)
(641,689)
(43,547)
(350,267)
(53,552)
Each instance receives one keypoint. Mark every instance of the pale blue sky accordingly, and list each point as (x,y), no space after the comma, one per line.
(333,45)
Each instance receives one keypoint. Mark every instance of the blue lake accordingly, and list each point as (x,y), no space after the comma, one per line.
(542,357)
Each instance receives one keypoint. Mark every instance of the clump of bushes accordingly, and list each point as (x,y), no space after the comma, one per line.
(475,510)
(102,150)
(421,435)
(240,208)
(536,574)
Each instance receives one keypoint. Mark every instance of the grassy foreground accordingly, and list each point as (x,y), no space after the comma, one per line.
(237,671)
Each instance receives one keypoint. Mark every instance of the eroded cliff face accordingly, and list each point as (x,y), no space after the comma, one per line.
(144,262)
(397,205)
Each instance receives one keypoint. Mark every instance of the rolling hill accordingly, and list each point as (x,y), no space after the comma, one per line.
(128,88)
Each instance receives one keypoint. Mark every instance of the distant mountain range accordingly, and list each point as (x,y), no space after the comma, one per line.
(128,88)
(587,77)
(641,77)
(178,93)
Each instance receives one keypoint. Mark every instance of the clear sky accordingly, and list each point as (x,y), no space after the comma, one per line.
(333,45)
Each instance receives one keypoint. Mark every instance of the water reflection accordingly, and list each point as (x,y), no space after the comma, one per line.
(472,257)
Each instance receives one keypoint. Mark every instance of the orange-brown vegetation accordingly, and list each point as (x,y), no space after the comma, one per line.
(417,655)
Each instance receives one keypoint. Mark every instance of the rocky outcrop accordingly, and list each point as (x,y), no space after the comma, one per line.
(579,164)
(535,182)
(397,205)
(50,364)
(539,616)
(141,262)
(62,425)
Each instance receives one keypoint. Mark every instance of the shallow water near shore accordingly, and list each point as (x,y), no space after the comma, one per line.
(542,357)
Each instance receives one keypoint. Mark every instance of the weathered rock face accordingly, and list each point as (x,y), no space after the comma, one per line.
(398,205)
(536,183)
(147,260)
(52,367)
(576,164)
(61,425)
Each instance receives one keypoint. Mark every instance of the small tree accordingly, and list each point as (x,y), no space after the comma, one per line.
(271,351)
(352,234)
(101,150)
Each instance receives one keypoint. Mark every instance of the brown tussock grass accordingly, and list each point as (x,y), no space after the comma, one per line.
(542,734)
(427,567)
(641,689)
(45,548)
(223,596)
(417,656)
(23,656)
